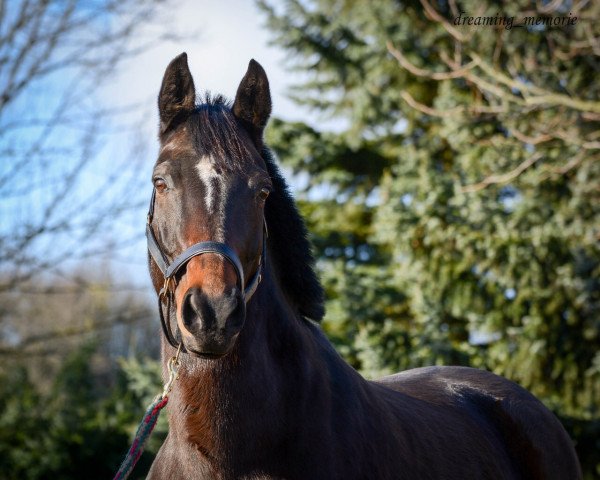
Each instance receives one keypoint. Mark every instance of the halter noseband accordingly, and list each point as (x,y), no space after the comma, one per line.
(170,269)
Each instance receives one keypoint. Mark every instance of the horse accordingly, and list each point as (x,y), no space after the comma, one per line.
(261,393)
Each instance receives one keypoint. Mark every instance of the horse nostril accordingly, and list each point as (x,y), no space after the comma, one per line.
(201,312)
(194,309)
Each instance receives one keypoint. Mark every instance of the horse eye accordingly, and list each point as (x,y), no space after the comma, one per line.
(264,193)
(160,184)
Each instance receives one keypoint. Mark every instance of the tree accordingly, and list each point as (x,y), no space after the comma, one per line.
(41,329)
(456,217)
(57,215)
(56,57)
(77,428)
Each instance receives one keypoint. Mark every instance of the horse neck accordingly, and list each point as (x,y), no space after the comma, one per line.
(279,371)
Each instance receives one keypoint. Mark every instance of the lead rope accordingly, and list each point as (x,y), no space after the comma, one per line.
(149,421)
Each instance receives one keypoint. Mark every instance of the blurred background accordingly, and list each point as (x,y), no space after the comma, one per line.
(449,175)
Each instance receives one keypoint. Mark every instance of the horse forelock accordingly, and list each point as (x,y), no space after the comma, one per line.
(216,133)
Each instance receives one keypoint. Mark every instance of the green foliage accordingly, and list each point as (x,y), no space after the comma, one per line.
(77,429)
(456,217)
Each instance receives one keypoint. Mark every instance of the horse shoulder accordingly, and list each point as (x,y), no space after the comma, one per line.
(536,441)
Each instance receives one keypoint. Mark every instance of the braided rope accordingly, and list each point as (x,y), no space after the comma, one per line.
(149,420)
(141,436)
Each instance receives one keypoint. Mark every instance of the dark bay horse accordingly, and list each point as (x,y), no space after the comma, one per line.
(261,393)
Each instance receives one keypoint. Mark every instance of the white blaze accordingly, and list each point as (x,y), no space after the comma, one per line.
(208,175)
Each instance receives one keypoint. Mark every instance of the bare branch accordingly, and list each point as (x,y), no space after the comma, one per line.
(434,15)
(407,97)
(473,109)
(420,72)
(502,178)
(54,207)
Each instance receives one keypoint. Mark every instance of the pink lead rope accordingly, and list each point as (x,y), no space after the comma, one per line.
(148,422)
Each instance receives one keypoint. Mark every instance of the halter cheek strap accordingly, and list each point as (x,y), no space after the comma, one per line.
(170,269)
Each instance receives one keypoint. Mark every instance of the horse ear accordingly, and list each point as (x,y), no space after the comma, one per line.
(252,103)
(177,95)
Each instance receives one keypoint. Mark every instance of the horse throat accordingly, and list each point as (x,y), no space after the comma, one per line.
(240,400)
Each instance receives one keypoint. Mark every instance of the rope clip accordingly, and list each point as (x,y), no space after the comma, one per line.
(167,287)
(173,367)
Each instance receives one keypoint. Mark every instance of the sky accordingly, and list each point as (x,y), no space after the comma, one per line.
(228,35)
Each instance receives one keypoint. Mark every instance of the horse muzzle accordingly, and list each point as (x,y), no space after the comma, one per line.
(210,324)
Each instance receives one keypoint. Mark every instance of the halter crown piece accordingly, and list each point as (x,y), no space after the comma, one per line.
(170,269)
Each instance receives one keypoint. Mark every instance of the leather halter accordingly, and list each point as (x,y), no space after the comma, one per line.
(170,269)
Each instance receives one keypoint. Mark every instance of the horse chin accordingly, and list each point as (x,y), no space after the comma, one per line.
(208,350)
(206,355)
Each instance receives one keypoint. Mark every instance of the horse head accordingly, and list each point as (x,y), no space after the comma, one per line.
(206,227)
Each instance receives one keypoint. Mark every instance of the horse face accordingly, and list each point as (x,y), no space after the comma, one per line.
(211,185)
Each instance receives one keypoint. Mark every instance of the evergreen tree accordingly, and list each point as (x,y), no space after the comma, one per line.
(456,217)
(76,429)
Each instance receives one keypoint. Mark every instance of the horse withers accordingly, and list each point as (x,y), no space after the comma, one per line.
(261,393)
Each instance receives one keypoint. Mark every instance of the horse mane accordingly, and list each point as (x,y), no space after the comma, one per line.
(215,130)
(290,248)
